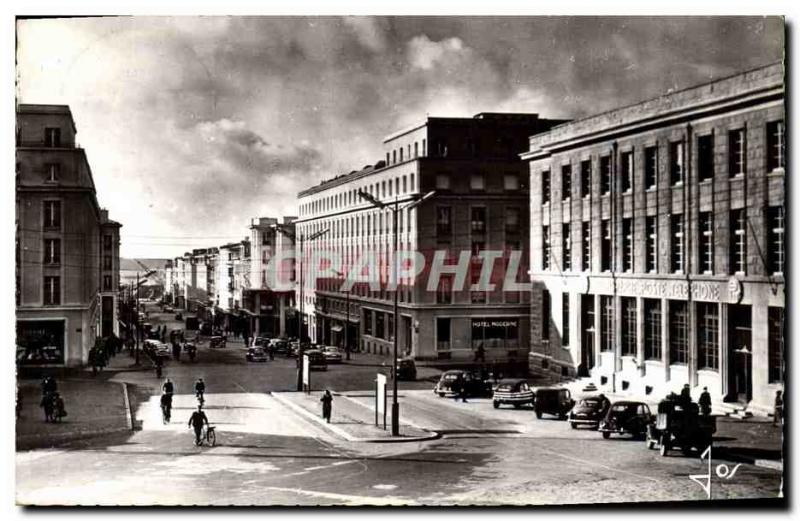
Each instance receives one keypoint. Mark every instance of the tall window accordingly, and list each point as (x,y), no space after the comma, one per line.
(52,214)
(442,182)
(776,247)
(108,262)
(586,238)
(444,292)
(52,251)
(546,313)
(738,241)
(565,319)
(513,220)
(53,172)
(627,244)
(737,152)
(52,291)
(606,323)
(775,344)
(444,223)
(545,186)
(476,296)
(605,253)
(545,247)
(476,182)
(106,282)
(705,157)
(676,224)
(416,149)
(478,219)
(626,167)
(368,322)
(628,307)
(776,146)
(707,242)
(651,260)
(586,177)
(511,182)
(52,137)
(707,336)
(566,247)
(678,332)
(676,162)
(605,175)
(650,167)
(566,182)
(652,329)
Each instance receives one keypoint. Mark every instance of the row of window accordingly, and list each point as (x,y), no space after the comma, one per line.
(401,154)
(477,182)
(379,190)
(774,250)
(706,328)
(706,162)
(52,289)
(478,219)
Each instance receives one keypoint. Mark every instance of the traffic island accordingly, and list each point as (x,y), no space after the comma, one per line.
(350,420)
(94,407)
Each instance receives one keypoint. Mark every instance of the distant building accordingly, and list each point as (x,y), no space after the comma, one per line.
(658,243)
(67,249)
(481,203)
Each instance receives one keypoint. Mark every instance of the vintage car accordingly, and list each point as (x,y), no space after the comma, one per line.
(512,391)
(406,369)
(256,354)
(279,346)
(589,411)
(316,360)
(680,424)
(332,354)
(261,341)
(554,401)
(626,417)
(169,309)
(475,386)
(156,349)
(217,342)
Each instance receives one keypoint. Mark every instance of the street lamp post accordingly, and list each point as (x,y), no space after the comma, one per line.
(301,239)
(395,272)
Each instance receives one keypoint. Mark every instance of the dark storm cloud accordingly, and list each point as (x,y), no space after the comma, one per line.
(256,108)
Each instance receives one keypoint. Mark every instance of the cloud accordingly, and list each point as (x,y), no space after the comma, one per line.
(425,54)
(368,30)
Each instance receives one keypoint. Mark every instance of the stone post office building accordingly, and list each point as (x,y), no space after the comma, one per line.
(658,246)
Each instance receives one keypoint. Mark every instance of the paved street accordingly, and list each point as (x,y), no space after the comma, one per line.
(268,454)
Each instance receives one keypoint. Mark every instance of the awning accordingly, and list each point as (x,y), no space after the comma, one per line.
(336,328)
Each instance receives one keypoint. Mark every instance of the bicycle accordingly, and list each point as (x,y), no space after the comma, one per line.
(209,435)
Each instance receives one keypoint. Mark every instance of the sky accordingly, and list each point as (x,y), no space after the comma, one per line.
(195,125)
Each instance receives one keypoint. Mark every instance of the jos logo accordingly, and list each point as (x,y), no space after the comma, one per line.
(722,471)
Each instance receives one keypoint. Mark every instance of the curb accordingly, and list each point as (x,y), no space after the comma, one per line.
(65,437)
(342,433)
(769,464)
(373,410)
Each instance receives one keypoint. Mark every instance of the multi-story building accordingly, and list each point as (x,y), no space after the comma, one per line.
(271,305)
(232,279)
(480,203)
(658,243)
(67,250)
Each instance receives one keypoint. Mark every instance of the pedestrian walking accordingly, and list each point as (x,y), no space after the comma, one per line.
(686,394)
(705,402)
(327,405)
(480,354)
(47,405)
(168,387)
(463,391)
(777,414)
(58,406)
(196,421)
(200,389)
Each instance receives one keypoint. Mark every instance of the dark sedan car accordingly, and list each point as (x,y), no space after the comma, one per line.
(256,354)
(513,391)
(475,387)
(626,418)
(589,411)
(553,400)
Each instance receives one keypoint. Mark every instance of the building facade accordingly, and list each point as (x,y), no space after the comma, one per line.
(658,252)
(480,203)
(67,249)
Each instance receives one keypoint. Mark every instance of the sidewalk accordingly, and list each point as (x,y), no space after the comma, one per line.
(93,407)
(350,420)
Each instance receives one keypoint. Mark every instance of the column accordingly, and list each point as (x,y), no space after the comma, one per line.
(723,350)
(597,331)
(665,337)
(691,369)
(640,335)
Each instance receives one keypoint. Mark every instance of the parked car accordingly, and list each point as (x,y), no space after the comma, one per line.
(261,341)
(316,360)
(332,354)
(280,346)
(256,354)
(554,401)
(156,349)
(475,386)
(589,411)
(512,391)
(680,424)
(217,341)
(406,369)
(626,417)
(169,309)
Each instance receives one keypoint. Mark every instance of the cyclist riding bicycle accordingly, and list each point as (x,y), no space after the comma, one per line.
(166,407)
(196,421)
(199,389)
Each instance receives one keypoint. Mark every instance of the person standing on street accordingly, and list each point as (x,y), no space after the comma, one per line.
(196,422)
(777,414)
(199,389)
(327,405)
(58,406)
(705,402)
(168,387)
(686,395)
(47,405)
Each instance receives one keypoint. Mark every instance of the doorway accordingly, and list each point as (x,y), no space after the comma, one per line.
(587,335)
(740,353)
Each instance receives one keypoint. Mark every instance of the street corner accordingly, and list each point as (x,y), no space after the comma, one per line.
(93,407)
